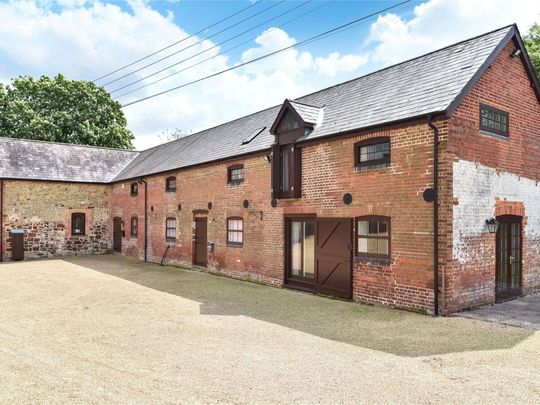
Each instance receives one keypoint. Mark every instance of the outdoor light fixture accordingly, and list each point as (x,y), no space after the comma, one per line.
(515,52)
(492,225)
(268,158)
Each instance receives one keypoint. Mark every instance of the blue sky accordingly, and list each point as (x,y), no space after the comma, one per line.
(84,40)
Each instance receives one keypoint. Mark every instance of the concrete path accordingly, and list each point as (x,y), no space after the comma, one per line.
(114,330)
(522,312)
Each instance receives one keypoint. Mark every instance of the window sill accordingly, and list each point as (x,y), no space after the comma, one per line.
(494,135)
(234,246)
(235,183)
(384,261)
(357,169)
(170,191)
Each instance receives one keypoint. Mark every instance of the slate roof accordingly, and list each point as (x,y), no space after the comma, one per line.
(424,85)
(310,114)
(429,84)
(36,160)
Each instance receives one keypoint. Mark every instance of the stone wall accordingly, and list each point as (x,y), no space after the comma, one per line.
(43,209)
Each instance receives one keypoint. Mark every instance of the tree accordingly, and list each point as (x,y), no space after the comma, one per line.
(60,110)
(532,43)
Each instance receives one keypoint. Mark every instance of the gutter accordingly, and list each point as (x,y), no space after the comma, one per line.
(435,215)
(141,180)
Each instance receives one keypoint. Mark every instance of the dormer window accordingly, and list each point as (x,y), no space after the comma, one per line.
(288,123)
(294,121)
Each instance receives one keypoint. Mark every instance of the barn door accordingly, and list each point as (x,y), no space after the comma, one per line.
(318,256)
(333,257)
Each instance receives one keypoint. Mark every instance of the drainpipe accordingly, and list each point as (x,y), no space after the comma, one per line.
(141,180)
(1,220)
(435,216)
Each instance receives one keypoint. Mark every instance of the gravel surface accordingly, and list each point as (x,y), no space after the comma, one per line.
(113,330)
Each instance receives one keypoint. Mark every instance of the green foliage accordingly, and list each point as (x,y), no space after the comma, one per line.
(60,110)
(532,43)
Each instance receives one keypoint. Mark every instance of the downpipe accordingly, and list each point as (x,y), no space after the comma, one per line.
(435,216)
(142,181)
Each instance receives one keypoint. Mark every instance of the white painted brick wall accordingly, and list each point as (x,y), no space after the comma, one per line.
(476,188)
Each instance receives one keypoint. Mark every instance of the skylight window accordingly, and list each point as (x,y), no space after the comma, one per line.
(253,135)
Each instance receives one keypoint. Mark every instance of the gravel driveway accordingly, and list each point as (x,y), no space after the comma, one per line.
(113,330)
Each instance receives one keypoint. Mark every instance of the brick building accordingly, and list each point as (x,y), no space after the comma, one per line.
(332,192)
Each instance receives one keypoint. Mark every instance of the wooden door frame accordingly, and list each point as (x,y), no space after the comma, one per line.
(300,283)
(510,219)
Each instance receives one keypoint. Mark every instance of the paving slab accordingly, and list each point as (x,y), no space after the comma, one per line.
(522,312)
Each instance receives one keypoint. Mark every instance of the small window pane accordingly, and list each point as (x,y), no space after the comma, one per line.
(363,227)
(372,246)
(383,228)
(373,227)
(362,245)
(382,246)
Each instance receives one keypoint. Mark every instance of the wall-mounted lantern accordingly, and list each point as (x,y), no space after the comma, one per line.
(492,225)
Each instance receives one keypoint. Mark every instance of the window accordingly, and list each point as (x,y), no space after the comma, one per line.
(78,223)
(301,248)
(170,231)
(493,120)
(235,231)
(134,189)
(372,154)
(373,235)
(170,184)
(235,174)
(134,226)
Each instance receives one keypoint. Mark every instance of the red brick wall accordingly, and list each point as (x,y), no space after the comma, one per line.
(470,269)
(327,173)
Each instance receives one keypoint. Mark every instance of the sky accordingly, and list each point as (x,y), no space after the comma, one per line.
(85,40)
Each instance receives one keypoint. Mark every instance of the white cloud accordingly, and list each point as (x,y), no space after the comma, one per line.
(437,23)
(335,63)
(87,39)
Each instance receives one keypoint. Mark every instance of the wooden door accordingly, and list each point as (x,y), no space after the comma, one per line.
(508,252)
(318,255)
(333,257)
(201,242)
(117,234)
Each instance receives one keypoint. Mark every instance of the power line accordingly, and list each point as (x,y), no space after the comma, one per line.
(179,41)
(220,53)
(212,47)
(306,41)
(196,43)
